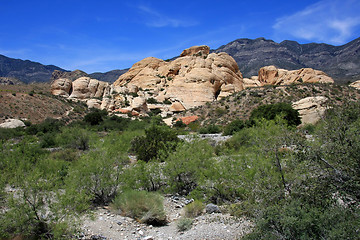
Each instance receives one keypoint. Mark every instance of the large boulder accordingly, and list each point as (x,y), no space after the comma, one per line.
(270,75)
(12,123)
(61,87)
(311,109)
(85,87)
(192,79)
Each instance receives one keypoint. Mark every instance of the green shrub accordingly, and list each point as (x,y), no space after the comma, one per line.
(194,209)
(151,100)
(210,129)
(184,224)
(75,138)
(95,117)
(157,139)
(145,207)
(233,127)
(179,124)
(271,111)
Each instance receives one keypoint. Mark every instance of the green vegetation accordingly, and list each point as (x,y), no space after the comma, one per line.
(145,207)
(194,209)
(271,111)
(157,139)
(290,186)
(184,224)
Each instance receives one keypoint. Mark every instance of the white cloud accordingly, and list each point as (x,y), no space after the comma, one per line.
(330,21)
(158,20)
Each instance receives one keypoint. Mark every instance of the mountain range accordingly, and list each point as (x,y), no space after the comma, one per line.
(342,63)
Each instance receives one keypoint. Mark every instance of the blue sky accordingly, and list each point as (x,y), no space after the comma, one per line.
(105,35)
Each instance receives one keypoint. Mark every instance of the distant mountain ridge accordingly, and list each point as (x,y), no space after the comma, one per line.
(340,62)
(26,71)
(29,72)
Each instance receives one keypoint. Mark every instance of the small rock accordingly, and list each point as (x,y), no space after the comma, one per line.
(148,238)
(212,208)
(118,223)
(141,232)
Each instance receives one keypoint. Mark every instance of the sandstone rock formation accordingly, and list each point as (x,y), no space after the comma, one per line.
(193,79)
(196,51)
(187,120)
(12,123)
(311,109)
(356,84)
(274,76)
(61,87)
(85,87)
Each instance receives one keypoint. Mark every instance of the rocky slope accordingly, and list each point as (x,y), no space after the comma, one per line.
(342,63)
(310,99)
(35,103)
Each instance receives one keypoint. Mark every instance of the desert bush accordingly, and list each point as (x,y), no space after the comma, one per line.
(49,125)
(157,139)
(95,116)
(210,129)
(194,209)
(96,176)
(39,209)
(233,127)
(270,111)
(187,166)
(184,224)
(179,124)
(145,207)
(74,137)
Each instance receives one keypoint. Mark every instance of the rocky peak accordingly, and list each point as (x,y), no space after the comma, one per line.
(68,75)
(196,51)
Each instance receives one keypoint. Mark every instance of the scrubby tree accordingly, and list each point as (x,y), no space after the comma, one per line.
(157,139)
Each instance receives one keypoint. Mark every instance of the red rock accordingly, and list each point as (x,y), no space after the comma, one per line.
(188,120)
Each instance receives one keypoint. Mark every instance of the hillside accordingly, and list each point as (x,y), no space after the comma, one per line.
(35,103)
(240,104)
(340,62)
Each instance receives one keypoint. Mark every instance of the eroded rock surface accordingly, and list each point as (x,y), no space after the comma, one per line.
(311,109)
(193,79)
(274,76)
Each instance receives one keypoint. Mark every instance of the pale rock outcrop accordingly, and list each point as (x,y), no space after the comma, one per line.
(139,104)
(61,87)
(311,109)
(12,123)
(177,107)
(85,87)
(355,84)
(196,51)
(191,79)
(93,103)
(252,82)
(274,76)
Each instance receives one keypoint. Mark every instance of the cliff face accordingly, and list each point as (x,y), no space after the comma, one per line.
(342,63)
